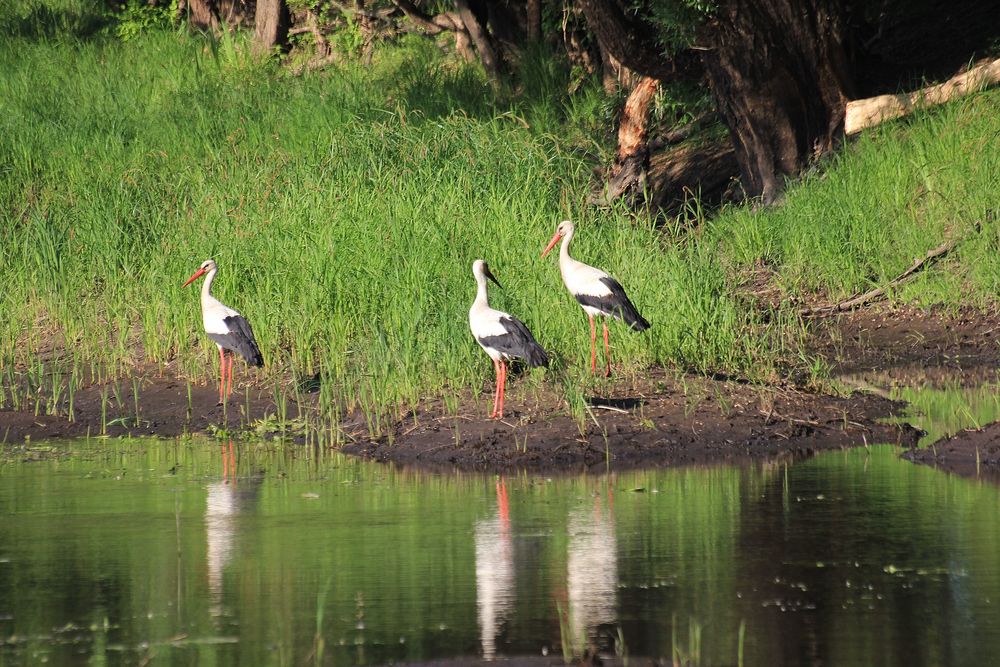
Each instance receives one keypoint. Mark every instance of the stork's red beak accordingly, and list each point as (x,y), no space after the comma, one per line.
(197,274)
(552,243)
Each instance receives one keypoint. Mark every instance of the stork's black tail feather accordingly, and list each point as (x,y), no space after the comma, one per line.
(253,356)
(241,340)
(633,318)
(536,356)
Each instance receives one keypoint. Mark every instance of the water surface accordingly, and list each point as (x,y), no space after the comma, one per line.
(188,552)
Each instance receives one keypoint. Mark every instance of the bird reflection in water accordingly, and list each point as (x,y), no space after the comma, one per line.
(592,570)
(494,571)
(225,500)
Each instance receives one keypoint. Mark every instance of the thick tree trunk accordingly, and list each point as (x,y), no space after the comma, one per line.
(632,42)
(779,75)
(473,16)
(271,25)
(203,14)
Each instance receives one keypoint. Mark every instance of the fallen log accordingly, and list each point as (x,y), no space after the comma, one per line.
(869,112)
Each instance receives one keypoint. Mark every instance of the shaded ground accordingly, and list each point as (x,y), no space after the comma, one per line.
(661,420)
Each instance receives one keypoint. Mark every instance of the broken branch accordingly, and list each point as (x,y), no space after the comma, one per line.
(932,256)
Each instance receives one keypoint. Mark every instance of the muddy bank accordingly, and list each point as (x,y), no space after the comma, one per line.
(910,344)
(167,407)
(690,422)
(972,453)
(661,420)
(880,349)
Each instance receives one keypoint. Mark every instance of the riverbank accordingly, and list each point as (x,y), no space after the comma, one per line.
(656,419)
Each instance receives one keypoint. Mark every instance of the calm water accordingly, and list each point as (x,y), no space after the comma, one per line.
(179,552)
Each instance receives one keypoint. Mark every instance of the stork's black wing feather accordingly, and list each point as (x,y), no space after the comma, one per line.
(517,342)
(240,339)
(617,304)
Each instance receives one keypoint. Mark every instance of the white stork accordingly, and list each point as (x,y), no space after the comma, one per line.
(599,294)
(226,327)
(502,335)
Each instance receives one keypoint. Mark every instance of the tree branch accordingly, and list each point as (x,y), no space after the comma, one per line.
(631,41)
(932,256)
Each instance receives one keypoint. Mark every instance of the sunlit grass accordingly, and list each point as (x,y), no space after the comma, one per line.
(883,201)
(345,209)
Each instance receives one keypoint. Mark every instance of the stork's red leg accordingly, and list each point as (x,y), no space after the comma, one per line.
(496,392)
(607,349)
(503,386)
(229,381)
(222,373)
(593,344)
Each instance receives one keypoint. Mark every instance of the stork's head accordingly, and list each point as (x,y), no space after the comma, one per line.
(481,270)
(207,266)
(563,229)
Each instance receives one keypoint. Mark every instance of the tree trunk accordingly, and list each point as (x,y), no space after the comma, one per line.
(203,14)
(271,25)
(474,18)
(533,16)
(632,42)
(779,75)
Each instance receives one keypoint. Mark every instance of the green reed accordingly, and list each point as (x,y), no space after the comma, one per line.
(345,208)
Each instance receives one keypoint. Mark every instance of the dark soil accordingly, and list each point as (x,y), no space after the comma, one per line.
(875,349)
(661,420)
(692,421)
(973,453)
(163,410)
(950,347)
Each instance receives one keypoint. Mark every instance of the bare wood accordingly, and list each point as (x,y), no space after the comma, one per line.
(632,132)
(862,114)
(628,174)
(932,256)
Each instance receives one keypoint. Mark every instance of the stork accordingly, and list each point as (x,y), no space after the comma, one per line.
(599,294)
(502,335)
(226,327)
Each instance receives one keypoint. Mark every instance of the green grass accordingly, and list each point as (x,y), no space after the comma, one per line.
(345,208)
(884,200)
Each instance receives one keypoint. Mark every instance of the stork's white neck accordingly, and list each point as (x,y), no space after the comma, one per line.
(481,299)
(206,287)
(566,263)
(564,248)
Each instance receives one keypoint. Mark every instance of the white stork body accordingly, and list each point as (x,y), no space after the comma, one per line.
(226,327)
(501,335)
(598,293)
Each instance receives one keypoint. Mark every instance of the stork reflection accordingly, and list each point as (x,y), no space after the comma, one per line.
(225,500)
(592,570)
(494,571)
